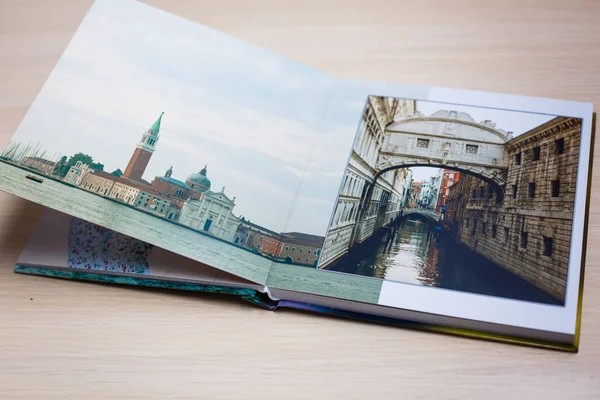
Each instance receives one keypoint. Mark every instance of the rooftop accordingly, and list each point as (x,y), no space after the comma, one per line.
(302,238)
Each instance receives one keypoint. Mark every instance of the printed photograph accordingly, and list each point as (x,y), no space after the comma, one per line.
(164,120)
(458,197)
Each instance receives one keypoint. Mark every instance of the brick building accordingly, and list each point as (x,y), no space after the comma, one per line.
(449,178)
(301,248)
(257,238)
(529,230)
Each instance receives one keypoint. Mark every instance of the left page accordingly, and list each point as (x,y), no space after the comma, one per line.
(172,133)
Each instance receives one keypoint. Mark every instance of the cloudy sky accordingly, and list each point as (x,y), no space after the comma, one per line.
(275,132)
(252,116)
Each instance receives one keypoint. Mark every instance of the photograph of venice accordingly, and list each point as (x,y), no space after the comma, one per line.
(463,198)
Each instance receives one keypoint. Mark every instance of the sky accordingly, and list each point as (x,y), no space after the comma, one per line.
(423,173)
(250,115)
(275,133)
(509,121)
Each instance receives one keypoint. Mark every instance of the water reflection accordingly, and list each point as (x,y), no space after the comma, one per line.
(415,252)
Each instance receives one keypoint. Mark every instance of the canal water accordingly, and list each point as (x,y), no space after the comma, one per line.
(132,222)
(413,252)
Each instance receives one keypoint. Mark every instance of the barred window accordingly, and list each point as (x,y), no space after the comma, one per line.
(555,188)
(423,143)
(547,246)
(471,148)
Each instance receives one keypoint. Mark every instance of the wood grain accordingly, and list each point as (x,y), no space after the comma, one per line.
(74,340)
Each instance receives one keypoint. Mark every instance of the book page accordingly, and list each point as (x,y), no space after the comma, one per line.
(443,198)
(174,134)
(64,243)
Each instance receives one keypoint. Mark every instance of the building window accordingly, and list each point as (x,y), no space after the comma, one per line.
(559,146)
(474,193)
(309,252)
(307,260)
(490,192)
(536,153)
(468,222)
(471,148)
(514,191)
(531,190)
(524,239)
(317,252)
(474,230)
(555,188)
(547,246)
(483,226)
(506,234)
(287,248)
(423,143)
(301,250)
(293,249)
(298,258)
(518,158)
(494,231)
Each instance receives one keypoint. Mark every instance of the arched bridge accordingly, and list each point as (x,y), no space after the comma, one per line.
(430,214)
(450,140)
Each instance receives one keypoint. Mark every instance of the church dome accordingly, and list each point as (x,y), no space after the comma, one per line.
(198,181)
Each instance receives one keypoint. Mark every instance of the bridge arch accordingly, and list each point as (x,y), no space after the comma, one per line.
(496,180)
(432,217)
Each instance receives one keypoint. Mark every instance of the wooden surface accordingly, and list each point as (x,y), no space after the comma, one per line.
(73,340)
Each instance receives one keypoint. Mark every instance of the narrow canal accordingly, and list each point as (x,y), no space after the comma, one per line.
(413,253)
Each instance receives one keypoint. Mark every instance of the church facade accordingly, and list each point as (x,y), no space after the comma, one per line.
(212,214)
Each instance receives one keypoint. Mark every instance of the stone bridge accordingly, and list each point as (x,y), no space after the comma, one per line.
(450,140)
(430,214)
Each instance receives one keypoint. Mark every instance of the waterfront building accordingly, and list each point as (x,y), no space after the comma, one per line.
(76,172)
(527,230)
(257,238)
(362,177)
(152,202)
(141,156)
(415,194)
(429,192)
(212,214)
(449,178)
(300,248)
(96,181)
(124,192)
(456,203)
(406,190)
(40,164)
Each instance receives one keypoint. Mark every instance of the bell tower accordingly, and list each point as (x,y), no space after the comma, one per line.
(143,151)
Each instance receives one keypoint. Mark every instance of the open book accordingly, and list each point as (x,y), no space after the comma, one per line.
(172,155)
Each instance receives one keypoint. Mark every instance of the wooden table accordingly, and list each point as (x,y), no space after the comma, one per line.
(73,340)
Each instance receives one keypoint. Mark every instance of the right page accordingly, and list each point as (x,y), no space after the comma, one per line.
(456,203)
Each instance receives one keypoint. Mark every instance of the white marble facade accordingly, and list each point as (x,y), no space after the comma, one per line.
(212,214)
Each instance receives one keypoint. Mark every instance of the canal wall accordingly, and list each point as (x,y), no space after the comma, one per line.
(528,231)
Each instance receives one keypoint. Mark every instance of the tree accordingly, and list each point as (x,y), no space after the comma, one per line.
(60,166)
(117,172)
(84,158)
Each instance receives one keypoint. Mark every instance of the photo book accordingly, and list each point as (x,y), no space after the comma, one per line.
(171,155)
